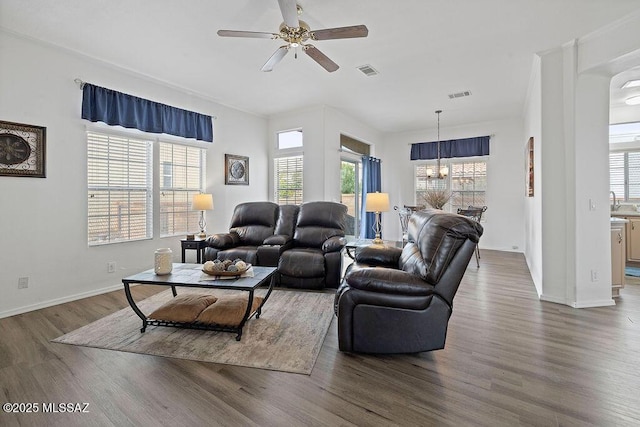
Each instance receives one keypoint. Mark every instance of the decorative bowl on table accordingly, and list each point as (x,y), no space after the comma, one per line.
(225,268)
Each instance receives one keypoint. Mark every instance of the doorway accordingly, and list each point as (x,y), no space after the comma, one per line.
(350,184)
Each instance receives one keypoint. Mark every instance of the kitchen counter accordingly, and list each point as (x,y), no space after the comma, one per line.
(618,220)
(618,214)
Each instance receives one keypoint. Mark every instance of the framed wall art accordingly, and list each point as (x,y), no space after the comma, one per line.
(529,167)
(22,150)
(236,170)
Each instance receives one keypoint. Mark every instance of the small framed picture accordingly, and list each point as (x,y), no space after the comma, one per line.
(22,150)
(236,170)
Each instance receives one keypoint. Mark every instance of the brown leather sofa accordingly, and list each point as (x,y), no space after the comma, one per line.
(399,300)
(304,242)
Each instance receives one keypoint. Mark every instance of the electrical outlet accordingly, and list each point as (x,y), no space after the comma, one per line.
(594,275)
(23,282)
(111,267)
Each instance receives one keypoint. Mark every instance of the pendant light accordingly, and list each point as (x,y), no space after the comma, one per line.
(442,171)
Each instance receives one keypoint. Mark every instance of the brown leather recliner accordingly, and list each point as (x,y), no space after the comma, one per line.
(258,234)
(399,300)
(314,259)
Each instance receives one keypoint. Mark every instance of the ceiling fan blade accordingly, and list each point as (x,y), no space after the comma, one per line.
(320,58)
(275,58)
(248,34)
(340,33)
(289,11)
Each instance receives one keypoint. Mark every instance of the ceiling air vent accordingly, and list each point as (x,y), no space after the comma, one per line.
(368,70)
(460,94)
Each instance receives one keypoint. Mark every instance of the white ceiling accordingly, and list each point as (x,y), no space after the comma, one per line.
(423,49)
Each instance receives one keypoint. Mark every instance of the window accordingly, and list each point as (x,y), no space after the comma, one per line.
(182,170)
(288,180)
(288,171)
(350,185)
(467,182)
(290,139)
(119,188)
(624,175)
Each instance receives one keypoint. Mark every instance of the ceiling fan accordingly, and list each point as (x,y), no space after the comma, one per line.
(296,33)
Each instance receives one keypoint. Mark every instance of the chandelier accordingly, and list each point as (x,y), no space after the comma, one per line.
(442,171)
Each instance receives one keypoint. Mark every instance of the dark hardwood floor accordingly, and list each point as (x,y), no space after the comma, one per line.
(510,359)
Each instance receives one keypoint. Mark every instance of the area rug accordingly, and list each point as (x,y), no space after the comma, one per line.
(632,271)
(287,336)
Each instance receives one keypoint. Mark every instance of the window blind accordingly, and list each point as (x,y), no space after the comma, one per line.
(288,180)
(119,189)
(624,175)
(182,176)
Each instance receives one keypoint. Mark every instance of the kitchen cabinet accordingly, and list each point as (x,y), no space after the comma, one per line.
(633,239)
(618,258)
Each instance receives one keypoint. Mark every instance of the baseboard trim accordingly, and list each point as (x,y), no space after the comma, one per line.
(50,303)
(591,304)
(555,300)
(581,304)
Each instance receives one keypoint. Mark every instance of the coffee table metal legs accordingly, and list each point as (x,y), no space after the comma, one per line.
(247,313)
(238,329)
(132,303)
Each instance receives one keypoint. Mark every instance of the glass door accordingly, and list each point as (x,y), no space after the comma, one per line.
(350,184)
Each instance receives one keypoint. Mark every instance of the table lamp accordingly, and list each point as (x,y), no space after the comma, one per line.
(202,202)
(377,202)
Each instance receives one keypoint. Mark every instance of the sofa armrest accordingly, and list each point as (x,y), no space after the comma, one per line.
(377,255)
(387,281)
(223,240)
(333,244)
(277,239)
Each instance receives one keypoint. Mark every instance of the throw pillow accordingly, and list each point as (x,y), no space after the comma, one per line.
(183,308)
(229,310)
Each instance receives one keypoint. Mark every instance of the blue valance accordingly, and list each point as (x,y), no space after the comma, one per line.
(467,147)
(100,104)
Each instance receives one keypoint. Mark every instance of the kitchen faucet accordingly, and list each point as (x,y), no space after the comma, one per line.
(616,204)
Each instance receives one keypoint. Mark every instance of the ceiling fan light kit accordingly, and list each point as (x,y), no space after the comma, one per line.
(296,33)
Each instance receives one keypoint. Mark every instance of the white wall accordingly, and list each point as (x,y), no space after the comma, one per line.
(569,107)
(43,221)
(321,128)
(503,228)
(533,205)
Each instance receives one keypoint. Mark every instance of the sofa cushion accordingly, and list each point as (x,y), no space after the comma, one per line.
(302,262)
(183,308)
(287,217)
(318,221)
(248,254)
(254,221)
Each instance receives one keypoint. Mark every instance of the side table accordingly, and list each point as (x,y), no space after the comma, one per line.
(353,244)
(197,244)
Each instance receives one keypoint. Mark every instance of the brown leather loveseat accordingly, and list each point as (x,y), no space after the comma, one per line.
(304,242)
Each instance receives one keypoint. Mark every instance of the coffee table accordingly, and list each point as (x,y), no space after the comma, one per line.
(191,276)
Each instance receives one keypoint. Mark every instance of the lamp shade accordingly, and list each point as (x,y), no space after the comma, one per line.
(377,202)
(202,202)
